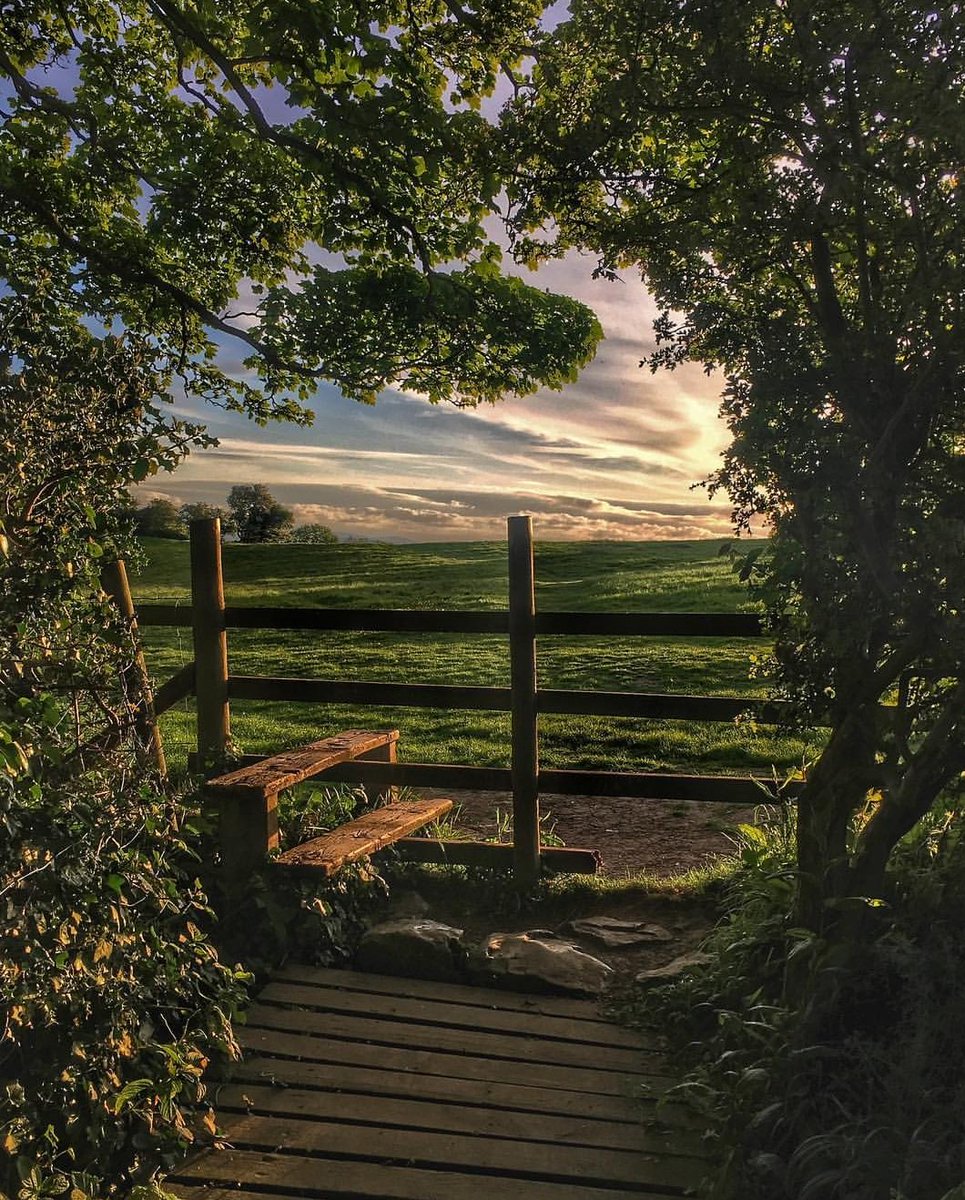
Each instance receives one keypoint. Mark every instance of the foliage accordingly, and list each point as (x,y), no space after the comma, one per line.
(313,535)
(257,516)
(308,920)
(200,511)
(788,179)
(159,518)
(857,1093)
(289,181)
(112,999)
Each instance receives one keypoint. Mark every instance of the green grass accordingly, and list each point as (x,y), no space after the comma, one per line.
(601,576)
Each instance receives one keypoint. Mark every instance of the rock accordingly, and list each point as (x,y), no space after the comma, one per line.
(673,970)
(540,961)
(407,904)
(616,934)
(413,947)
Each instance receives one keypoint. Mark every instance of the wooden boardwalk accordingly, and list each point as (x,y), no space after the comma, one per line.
(392,1089)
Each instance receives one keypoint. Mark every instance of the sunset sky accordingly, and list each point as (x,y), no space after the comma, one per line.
(614,455)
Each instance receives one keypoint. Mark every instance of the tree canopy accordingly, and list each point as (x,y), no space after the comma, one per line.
(290,182)
(788,178)
(257,516)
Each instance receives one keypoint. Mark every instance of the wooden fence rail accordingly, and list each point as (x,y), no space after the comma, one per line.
(215,686)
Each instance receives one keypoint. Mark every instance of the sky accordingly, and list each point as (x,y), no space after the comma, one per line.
(614,455)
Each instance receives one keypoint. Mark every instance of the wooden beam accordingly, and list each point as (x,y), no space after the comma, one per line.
(558,859)
(210,641)
(650,624)
(386,695)
(180,684)
(522,671)
(659,706)
(272,775)
(365,835)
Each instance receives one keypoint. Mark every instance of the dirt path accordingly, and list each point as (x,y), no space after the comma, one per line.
(661,837)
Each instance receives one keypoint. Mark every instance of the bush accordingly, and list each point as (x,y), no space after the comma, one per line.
(831,1071)
(113,999)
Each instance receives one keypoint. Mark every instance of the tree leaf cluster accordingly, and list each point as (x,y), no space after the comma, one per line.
(283,184)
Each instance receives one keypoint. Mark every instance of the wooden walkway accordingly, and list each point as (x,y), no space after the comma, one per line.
(392,1089)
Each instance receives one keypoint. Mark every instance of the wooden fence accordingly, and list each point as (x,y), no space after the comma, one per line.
(214,686)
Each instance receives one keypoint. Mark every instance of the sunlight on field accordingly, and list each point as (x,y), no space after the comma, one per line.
(608,576)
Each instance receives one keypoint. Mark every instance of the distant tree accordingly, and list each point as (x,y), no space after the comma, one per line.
(159,518)
(314,535)
(200,511)
(257,515)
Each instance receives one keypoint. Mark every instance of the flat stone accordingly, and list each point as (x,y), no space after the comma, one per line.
(615,934)
(538,960)
(413,947)
(673,970)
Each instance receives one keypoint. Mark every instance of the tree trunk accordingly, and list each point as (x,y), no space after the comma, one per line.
(835,789)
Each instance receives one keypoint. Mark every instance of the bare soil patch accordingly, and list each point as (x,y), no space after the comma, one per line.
(661,837)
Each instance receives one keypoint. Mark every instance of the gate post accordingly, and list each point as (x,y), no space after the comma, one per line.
(522,661)
(210,642)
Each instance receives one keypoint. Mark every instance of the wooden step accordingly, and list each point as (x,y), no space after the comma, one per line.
(270,776)
(363,836)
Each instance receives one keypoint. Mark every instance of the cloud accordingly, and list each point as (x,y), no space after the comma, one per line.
(612,455)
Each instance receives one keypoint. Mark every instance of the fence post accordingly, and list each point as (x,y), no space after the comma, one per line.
(137,684)
(210,642)
(522,662)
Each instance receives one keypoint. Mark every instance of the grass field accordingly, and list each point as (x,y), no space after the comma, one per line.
(602,576)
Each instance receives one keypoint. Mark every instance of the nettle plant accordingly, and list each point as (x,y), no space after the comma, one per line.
(113,999)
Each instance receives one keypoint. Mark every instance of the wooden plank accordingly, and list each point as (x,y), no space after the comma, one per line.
(285,770)
(180,684)
(452,993)
(385,695)
(655,785)
(365,620)
(365,835)
(164,616)
(423,1011)
(462,1041)
(660,706)
(496,621)
(467,1119)
(277,1032)
(568,860)
(404,774)
(336,1178)
(650,624)
(428,775)
(522,670)
(498,1156)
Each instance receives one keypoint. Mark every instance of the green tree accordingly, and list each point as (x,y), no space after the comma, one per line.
(202,511)
(788,177)
(314,534)
(159,518)
(257,516)
(179,169)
